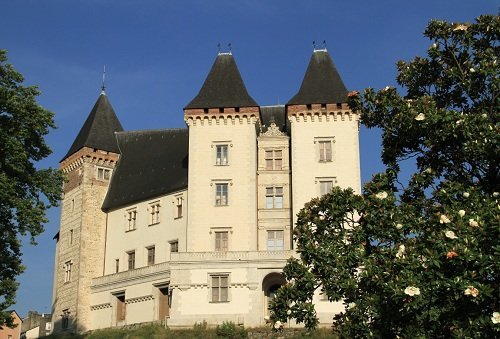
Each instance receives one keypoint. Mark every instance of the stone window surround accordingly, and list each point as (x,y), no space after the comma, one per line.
(214,230)
(219,275)
(319,180)
(216,145)
(215,183)
(326,158)
(154,212)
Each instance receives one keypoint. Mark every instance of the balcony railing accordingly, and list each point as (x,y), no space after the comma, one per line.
(231,256)
(161,269)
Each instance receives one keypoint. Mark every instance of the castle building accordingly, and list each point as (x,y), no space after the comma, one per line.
(189,225)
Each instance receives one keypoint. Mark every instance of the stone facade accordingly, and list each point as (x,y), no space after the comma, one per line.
(81,239)
(213,249)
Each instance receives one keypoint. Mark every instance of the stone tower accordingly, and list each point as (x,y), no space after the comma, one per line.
(80,247)
(222,122)
(324,145)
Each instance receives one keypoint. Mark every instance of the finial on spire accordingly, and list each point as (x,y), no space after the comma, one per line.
(103,87)
(315,49)
(220,52)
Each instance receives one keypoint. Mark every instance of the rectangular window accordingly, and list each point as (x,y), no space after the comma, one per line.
(151,255)
(67,271)
(155,213)
(131,260)
(220,288)
(325,187)
(121,309)
(221,241)
(71,237)
(178,207)
(103,173)
(274,197)
(221,194)
(174,246)
(131,220)
(117,265)
(274,159)
(221,155)
(275,240)
(325,151)
(65,319)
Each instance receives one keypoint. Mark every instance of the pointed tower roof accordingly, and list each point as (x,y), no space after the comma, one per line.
(99,128)
(322,83)
(223,86)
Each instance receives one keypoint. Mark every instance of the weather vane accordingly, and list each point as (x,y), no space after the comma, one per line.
(103,87)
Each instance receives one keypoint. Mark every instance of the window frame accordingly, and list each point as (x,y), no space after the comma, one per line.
(131,216)
(174,244)
(275,239)
(221,298)
(323,180)
(130,260)
(67,271)
(221,154)
(151,255)
(273,196)
(179,208)
(221,241)
(103,173)
(154,213)
(220,194)
(272,159)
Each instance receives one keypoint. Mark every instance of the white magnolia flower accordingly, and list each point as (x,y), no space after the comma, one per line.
(412,290)
(460,27)
(495,194)
(466,194)
(381,195)
(386,88)
(434,45)
(495,318)
(472,70)
(444,219)
(450,234)
(423,260)
(267,318)
(289,312)
(473,223)
(401,252)
(399,226)
(459,122)
(351,305)
(278,324)
(461,213)
(472,291)
(428,170)
(484,115)
(321,215)
(420,117)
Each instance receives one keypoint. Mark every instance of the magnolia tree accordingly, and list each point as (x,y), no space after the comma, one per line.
(420,259)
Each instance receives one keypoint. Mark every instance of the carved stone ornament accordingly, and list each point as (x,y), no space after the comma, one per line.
(273,131)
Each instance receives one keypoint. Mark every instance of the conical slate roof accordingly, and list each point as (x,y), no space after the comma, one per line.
(223,86)
(322,83)
(99,128)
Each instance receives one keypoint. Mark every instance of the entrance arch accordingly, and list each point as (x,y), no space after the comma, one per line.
(270,285)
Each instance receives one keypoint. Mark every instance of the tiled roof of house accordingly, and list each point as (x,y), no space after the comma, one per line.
(152,163)
(223,86)
(99,128)
(322,83)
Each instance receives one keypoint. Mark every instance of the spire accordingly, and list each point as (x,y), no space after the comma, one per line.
(322,83)
(99,128)
(223,86)
(103,87)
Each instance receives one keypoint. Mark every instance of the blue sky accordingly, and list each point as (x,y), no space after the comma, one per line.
(158,53)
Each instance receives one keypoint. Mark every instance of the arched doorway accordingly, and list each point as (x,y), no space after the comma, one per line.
(270,285)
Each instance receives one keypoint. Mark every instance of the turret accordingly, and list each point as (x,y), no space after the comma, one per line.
(88,167)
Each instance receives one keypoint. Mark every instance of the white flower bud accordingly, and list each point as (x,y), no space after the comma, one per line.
(466,194)
(461,213)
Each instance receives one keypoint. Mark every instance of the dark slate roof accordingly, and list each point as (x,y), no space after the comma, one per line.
(276,114)
(98,130)
(223,86)
(152,163)
(322,83)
